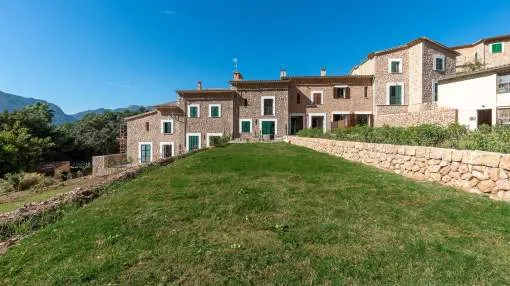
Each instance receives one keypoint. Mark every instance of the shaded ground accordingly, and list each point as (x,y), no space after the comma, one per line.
(270,213)
(12,201)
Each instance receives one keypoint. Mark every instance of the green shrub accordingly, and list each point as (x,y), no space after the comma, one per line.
(220,141)
(24,181)
(311,132)
(488,138)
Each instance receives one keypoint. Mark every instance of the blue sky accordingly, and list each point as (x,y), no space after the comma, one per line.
(85,54)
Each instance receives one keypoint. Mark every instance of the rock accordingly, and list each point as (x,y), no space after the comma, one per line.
(457,155)
(421,152)
(411,151)
(434,168)
(482,158)
(454,166)
(486,186)
(494,174)
(503,174)
(466,176)
(434,162)
(503,185)
(445,170)
(505,162)
(473,182)
(435,153)
(415,168)
(447,155)
(479,175)
(445,179)
(463,168)
(436,177)
(475,191)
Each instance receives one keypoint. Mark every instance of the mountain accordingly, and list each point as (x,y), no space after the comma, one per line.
(82,114)
(10,102)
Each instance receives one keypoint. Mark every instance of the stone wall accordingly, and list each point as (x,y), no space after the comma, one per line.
(440,116)
(473,171)
(109,164)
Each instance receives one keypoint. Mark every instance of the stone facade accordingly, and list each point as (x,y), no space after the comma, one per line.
(205,124)
(358,101)
(473,171)
(481,51)
(137,133)
(433,115)
(253,109)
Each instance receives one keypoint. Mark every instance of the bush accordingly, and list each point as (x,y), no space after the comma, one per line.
(218,141)
(488,138)
(24,181)
(313,132)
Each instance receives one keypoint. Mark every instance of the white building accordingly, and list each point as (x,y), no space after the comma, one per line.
(481,97)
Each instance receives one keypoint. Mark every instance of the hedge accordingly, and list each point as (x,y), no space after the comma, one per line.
(486,138)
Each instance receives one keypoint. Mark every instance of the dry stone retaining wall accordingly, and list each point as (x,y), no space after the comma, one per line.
(473,171)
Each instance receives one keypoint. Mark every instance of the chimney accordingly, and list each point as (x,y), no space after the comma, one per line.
(283,73)
(238,76)
(199,85)
(323,71)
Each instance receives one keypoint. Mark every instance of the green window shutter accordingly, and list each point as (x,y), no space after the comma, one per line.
(398,94)
(167,127)
(193,110)
(395,95)
(497,48)
(215,112)
(245,127)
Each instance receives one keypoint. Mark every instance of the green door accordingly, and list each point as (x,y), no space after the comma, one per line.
(267,127)
(145,153)
(193,142)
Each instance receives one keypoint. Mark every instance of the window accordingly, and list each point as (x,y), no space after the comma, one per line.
(504,84)
(214,110)
(245,102)
(166,150)
(395,94)
(145,151)
(317,97)
(497,48)
(435,89)
(439,63)
(298,98)
(193,141)
(146,126)
(167,126)
(193,110)
(365,92)
(339,117)
(395,65)
(245,125)
(268,106)
(341,92)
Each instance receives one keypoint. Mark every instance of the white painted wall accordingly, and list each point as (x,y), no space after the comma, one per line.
(467,96)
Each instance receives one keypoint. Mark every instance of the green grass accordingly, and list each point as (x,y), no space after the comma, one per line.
(270,214)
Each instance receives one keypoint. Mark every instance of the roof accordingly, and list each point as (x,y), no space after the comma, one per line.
(468,75)
(484,40)
(259,84)
(141,115)
(206,92)
(412,43)
(408,45)
(169,105)
(347,79)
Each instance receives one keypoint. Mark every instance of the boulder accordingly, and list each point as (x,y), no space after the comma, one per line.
(486,186)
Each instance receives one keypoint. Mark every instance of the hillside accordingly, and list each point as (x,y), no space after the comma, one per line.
(10,102)
(270,214)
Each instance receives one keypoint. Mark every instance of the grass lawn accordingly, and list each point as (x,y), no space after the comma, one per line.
(270,214)
(12,201)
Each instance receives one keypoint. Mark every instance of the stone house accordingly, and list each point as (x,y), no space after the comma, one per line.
(249,110)
(488,53)
(405,82)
